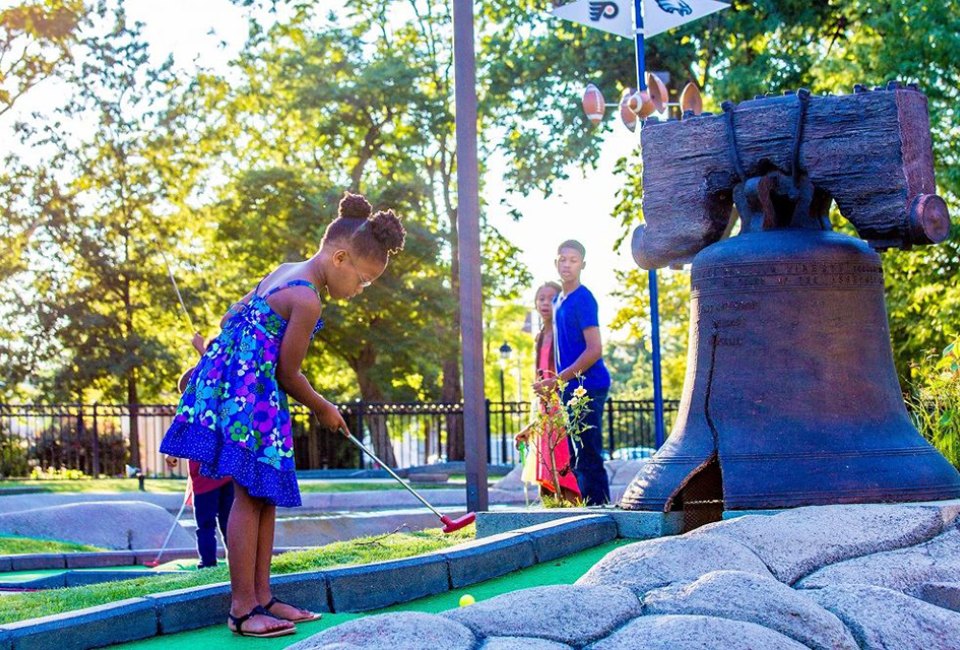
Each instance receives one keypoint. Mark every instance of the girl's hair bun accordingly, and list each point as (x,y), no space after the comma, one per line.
(354,206)
(386,228)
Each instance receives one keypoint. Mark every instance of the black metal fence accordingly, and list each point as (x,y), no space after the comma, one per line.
(95,438)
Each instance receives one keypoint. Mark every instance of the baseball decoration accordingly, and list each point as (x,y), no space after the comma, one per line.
(627,114)
(593,104)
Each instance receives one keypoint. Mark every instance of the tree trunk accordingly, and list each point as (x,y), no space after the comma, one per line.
(133,397)
(132,401)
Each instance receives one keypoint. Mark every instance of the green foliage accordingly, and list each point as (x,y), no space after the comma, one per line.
(935,401)
(100,312)
(13,454)
(363,550)
(774,46)
(504,323)
(35,39)
(630,359)
(548,500)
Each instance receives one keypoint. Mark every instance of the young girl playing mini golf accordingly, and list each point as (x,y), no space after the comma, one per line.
(234,419)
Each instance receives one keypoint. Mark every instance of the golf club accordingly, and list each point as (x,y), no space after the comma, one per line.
(176,522)
(449,525)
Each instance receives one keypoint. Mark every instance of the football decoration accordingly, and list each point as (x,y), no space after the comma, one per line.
(690,99)
(627,115)
(658,92)
(593,104)
(641,104)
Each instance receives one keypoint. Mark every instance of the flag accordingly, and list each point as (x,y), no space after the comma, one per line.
(662,15)
(615,16)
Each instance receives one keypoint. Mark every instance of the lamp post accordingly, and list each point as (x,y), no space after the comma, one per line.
(505,352)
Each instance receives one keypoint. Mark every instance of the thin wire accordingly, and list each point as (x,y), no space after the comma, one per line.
(173,280)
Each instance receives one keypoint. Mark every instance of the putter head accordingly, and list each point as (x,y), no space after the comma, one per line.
(450,525)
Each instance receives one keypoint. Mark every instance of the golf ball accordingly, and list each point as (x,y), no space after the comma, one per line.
(466,599)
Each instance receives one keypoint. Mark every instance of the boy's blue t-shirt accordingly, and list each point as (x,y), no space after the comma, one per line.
(573,314)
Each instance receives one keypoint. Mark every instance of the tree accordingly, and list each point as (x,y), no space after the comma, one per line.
(35,40)
(353,102)
(106,199)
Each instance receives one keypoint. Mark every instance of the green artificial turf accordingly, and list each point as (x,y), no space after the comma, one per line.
(13,545)
(363,550)
(559,572)
(13,577)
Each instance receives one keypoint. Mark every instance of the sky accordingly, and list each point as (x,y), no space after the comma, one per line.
(579,209)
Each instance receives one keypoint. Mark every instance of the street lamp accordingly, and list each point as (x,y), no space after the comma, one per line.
(505,352)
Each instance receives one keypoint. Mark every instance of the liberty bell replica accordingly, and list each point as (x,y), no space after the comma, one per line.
(790,397)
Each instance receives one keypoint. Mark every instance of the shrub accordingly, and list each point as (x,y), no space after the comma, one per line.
(934,401)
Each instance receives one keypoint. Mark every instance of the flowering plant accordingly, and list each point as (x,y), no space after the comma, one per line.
(555,421)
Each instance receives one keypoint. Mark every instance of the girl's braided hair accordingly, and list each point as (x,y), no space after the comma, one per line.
(375,237)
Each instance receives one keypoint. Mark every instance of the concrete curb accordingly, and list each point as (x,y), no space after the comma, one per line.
(490,557)
(313,502)
(630,524)
(100,559)
(372,586)
(120,622)
(358,588)
(81,578)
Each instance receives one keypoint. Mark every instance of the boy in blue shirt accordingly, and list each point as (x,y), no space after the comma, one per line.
(579,355)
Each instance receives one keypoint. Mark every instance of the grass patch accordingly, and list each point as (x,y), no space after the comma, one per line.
(107,485)
(10,545)
(351,486)
(357,551)
(169,485)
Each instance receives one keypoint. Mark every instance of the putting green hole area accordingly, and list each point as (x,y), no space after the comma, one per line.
(563,571)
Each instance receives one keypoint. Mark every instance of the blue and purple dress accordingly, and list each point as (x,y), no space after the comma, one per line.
(233,417)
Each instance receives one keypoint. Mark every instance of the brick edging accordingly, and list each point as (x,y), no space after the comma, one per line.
(355,588)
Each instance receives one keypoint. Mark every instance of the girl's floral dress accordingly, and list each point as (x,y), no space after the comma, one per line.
(233,416)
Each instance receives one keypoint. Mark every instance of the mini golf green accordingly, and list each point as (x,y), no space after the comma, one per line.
(14,581)
(12,577)
(564,571)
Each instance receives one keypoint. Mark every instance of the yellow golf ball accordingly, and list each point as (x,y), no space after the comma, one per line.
(466,599)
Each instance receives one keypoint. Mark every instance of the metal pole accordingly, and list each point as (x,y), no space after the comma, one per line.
(652,274)
(657,383)
(503,421)
(468,226)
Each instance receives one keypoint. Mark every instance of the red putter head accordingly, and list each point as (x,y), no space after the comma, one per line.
(450,525)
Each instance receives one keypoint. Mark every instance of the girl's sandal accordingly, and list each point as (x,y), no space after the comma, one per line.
(238,622)
(310,616)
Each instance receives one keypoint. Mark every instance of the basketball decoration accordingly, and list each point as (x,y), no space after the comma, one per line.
(627,116)
(593,104)
(658,92)
(690,99)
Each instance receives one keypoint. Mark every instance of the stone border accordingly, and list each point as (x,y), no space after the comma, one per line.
(356,588)
(103,559)
(75,578)
(631,524)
